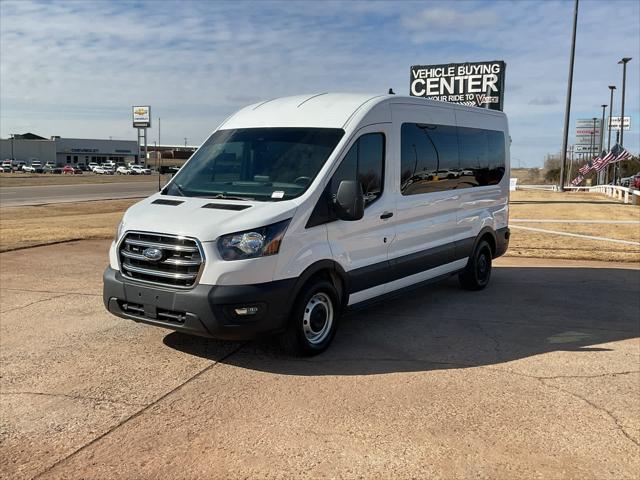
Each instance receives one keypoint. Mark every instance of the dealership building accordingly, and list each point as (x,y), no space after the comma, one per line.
(29,147)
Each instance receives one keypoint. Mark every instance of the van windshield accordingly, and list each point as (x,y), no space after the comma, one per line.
(267,164)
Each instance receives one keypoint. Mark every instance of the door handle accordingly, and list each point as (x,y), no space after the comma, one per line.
(386,215)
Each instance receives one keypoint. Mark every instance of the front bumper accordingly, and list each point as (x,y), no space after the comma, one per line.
(204,310)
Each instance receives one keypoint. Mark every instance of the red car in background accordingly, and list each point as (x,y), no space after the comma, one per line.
(68,169)
(636,182)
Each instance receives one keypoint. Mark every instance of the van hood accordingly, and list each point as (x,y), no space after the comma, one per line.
(203,218)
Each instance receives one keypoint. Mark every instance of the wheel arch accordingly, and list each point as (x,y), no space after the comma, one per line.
(328,269)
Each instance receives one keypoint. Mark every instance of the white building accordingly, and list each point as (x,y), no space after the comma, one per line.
(67,151)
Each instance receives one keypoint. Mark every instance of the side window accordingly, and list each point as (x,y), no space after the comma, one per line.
(365,162)
(429,158)
(482,156)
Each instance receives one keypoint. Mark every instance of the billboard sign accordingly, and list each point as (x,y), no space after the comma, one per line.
(615,123)
(588,131)
(142,116)
(476,84)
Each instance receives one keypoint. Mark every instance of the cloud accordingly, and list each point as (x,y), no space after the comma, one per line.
(75,68)
(440,17)
(544,101)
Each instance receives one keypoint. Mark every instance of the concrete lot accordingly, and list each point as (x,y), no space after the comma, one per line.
(535,377)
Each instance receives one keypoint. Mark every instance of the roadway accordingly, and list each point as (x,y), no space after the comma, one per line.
(534,377)
(45,194)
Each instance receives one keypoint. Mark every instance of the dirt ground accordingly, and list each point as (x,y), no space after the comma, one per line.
(535,377)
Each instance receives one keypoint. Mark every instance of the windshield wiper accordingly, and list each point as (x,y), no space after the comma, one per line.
(224,196)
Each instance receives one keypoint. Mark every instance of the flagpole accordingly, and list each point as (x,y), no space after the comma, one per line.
(567,111)
(612,88)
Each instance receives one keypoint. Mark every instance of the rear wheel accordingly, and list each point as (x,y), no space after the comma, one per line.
(313,321)
(477,273)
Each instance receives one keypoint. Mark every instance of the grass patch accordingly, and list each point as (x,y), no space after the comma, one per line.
(22,227)
(39,225)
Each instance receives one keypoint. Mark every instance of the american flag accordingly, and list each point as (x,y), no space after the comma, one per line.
(604,161)
(622,155)
(586,168)
(577,180)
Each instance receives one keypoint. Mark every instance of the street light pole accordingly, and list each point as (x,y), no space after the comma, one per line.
(612,88)
(624,62)
(602,130)
(567,110)
(593,137)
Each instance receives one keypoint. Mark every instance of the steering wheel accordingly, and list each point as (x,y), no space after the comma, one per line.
(302,180)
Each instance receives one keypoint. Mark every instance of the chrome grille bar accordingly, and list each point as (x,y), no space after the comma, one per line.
(146,244)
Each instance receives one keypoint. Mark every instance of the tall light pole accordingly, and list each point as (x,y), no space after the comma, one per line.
(602,129)
(567,110)
(593,137)
(612,88)
(624,62)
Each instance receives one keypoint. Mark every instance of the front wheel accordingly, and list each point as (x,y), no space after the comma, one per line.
(313,321)
(477,273)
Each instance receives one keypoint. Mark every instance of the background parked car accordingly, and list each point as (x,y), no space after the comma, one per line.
(68,169)
(7,166)
(140,170)
(33,167)
(51,168)
(122,170)
(103,170)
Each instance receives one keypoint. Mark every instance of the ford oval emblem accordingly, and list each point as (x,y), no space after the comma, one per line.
(152,253)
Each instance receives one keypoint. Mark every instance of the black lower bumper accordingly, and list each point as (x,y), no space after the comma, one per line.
(502,241)
(205,310)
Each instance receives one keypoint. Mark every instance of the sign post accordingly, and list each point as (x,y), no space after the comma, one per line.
(142,121)
(479,84)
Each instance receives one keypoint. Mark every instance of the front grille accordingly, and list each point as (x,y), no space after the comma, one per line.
(178,266)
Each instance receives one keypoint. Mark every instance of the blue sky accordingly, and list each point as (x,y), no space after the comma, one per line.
(75,68)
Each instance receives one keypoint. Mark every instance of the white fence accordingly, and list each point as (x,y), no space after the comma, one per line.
(625,194)
(552,188)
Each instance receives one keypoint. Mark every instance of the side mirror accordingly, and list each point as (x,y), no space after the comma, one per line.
(349,201)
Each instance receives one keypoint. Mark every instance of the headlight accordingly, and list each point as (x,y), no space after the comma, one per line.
(119,230)
(259,242)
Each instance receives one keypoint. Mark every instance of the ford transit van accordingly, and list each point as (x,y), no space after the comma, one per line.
(298,208)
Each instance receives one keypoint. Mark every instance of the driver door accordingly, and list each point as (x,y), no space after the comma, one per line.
(361,247)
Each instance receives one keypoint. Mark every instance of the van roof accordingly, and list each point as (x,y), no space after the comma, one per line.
(328,110)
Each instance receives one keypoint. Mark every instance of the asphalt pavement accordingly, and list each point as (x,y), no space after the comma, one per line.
(535,377)
(45,194)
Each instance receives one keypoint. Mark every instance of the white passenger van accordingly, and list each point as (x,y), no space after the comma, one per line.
(298,208)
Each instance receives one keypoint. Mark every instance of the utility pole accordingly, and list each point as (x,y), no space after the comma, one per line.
(624,62)
(185,141)
(567,110)
(612,88)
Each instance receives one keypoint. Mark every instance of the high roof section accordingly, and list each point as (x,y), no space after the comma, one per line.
(329,110)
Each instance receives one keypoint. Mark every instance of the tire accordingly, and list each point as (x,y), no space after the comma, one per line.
(477,273)
(313,321)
